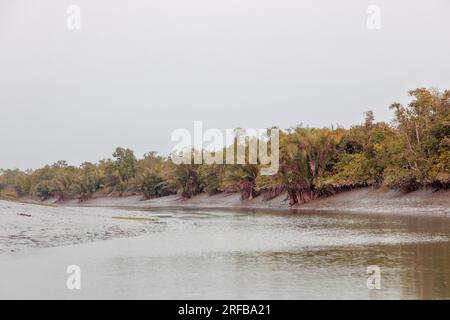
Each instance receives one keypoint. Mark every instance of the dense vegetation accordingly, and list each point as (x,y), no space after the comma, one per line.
(410,153)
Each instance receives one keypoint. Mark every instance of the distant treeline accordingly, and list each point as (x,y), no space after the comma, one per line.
(410,153)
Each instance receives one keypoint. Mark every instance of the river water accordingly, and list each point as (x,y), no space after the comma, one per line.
(256,254)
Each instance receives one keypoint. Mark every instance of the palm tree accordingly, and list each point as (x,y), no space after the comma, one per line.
(242,178)
(185,179)
(304,155)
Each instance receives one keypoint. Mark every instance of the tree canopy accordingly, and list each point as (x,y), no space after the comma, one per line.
(411,152)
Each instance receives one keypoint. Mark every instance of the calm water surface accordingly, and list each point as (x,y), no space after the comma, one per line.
(218,254)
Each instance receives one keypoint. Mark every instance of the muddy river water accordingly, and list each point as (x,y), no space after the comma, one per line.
(226,254)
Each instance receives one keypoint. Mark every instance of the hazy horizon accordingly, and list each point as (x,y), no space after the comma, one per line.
(136,71)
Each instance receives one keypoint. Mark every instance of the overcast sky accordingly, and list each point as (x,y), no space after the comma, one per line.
(139,69)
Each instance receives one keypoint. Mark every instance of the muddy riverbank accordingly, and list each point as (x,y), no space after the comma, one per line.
(365,200)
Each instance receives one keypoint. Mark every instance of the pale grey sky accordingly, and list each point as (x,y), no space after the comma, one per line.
(139,69)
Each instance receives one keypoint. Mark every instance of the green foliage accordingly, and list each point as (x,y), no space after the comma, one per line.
(185,179)
(125,163)
(120,171)
(212,178)
(423,128)
(353,167)
(413,152)
(88,181)
(241,178)
(305,156)
(150,178)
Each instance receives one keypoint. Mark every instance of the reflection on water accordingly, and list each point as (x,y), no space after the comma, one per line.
(248,255)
